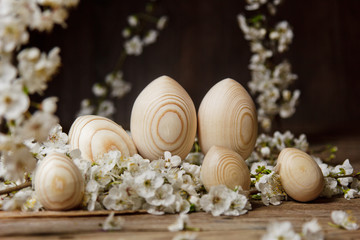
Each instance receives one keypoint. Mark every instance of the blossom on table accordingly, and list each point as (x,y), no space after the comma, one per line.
(344,220)
(221,200)
(270,188)
(180,224)
(113,223)
(280,230)
(312,230)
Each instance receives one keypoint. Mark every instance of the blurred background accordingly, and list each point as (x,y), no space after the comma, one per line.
(203,44)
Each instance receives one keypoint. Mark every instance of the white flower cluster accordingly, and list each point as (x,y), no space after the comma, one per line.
(166,185)
(27,158)
(270,82)
(339,180)
(22,73)
(284,230)
(256,4)
(344,220)
(136,38)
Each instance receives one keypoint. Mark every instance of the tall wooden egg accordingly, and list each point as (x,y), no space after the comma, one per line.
(163,118)
(227,117)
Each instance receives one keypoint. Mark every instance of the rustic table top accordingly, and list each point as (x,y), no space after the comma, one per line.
(140,225)
(85,225)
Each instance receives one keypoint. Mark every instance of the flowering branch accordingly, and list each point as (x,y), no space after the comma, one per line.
(24,72)
(143,30)
(16,188)
(270,78)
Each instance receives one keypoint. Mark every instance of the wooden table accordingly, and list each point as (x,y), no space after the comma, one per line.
(87,225)
(81,225)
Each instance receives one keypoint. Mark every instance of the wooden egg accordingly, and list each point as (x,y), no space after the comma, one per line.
(300,175)
(96,135)
(227,117)
(59,184)
(163,118)
(224,166)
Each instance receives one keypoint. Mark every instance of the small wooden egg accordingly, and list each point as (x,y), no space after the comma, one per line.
(227,117)
(59,184)
(224,166)
(300,175)
(96,135)
(163,118)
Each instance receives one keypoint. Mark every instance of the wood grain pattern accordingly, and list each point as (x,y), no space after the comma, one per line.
(300,175)
(224,166)
(96,135)
(163,118)
(59,184)
(146,226)
(227,117)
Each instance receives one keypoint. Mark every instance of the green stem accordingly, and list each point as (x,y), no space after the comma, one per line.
(120,61)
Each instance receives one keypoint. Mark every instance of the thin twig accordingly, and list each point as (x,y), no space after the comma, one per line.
(16,188)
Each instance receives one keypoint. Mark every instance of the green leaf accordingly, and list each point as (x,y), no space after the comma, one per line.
(256,19)
(256,197)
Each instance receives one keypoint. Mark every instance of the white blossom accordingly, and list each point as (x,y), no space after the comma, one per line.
(7,73)
(126,32)
(344,220)
(36,68)
(48,105)
(182,221)
(280,230)
(283,34)
(312,230)
(13,102)
(13,32)
(251,33)
(163,196)
(86,108)
(134,46)
(147,183)
(133,21)
(38,126)
(271,189)
(106,108)
(217,201)
(118,86)
(150,37)
(99,90)
(330,187)
(18,200)
(113,223)
(161,22)
(351,193)
(122,197)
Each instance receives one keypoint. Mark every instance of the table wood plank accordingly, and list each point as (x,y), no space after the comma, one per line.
(146,226)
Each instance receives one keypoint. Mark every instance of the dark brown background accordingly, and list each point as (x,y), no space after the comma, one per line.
(203,44)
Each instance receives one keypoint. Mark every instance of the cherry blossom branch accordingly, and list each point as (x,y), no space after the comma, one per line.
(16,188)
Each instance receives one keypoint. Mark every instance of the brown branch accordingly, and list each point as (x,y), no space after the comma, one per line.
(16,188)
